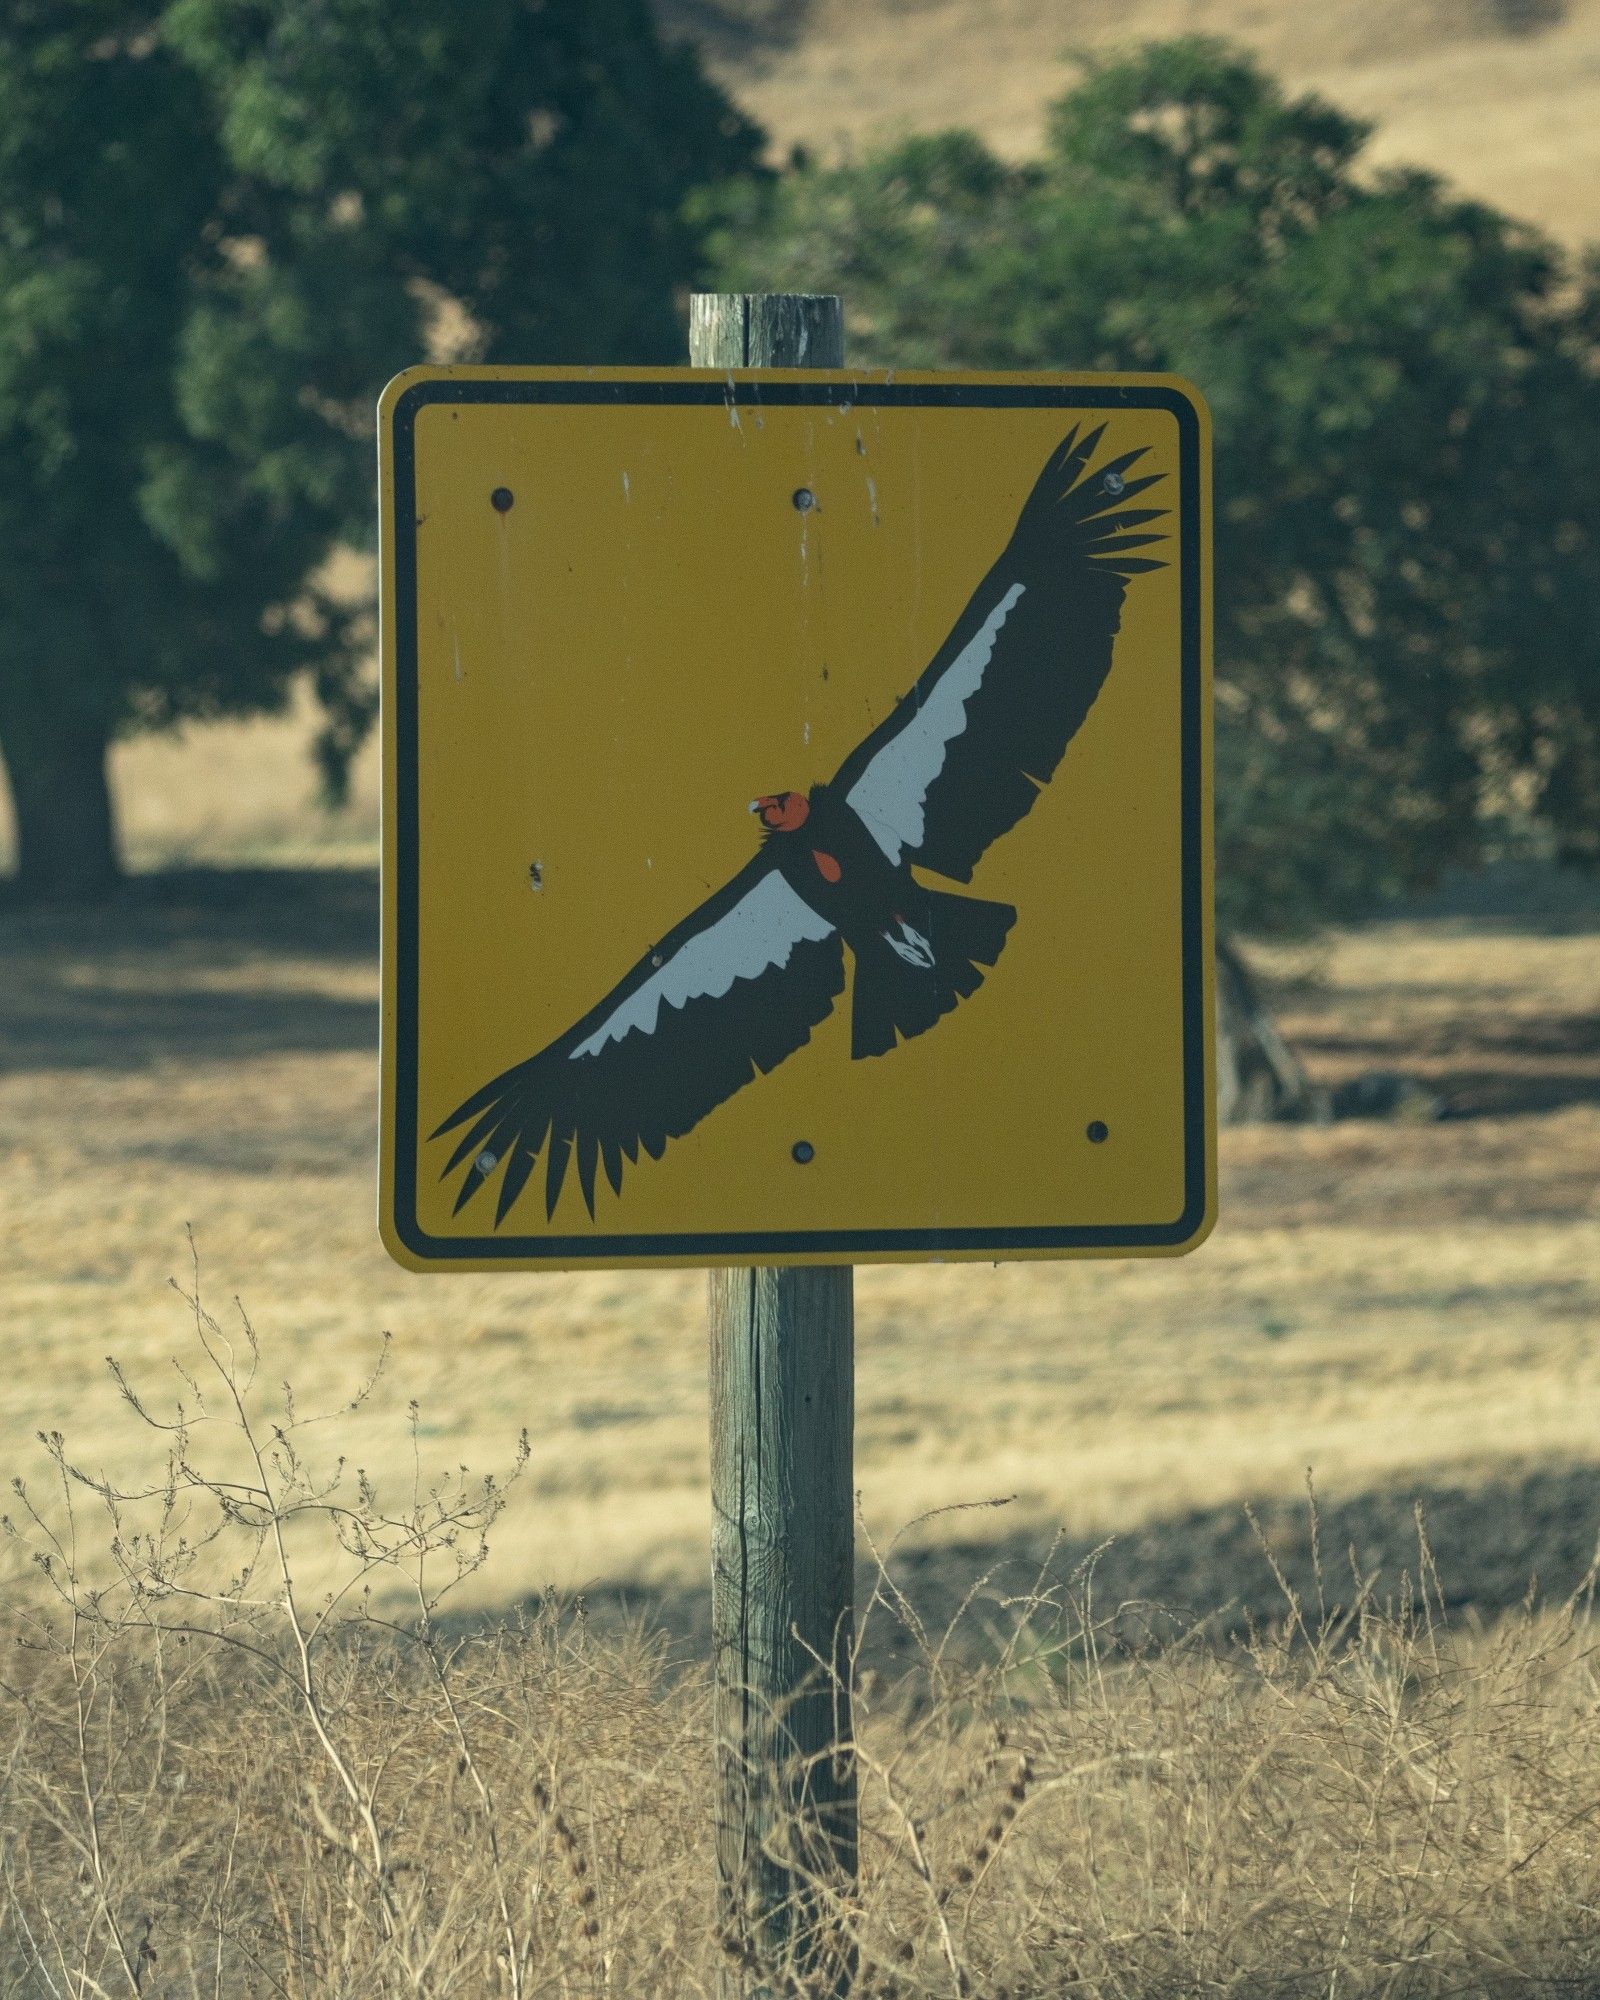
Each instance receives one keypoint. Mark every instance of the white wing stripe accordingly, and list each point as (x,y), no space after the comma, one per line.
(758,933)
(889,795)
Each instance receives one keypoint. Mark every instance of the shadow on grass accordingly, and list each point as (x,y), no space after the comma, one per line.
(1515,899)
(215,963)
(304,912)
(192,964)
(1497,1545)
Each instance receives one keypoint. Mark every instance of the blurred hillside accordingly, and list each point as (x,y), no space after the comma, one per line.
(1502,96)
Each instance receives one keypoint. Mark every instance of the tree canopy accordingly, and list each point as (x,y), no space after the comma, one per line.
(223,225)
(1407,416)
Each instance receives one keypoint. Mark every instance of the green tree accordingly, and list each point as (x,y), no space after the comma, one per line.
(1407,418)
(223,225)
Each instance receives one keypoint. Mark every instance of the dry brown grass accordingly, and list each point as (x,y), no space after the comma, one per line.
(1405,1308)
(217,1781)
(1500,96)
(1396,1798)
(1389,1808)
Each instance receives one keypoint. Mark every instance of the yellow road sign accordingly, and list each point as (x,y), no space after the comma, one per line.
(796,817)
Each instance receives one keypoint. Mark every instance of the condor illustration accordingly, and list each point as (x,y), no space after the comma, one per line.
(740,984)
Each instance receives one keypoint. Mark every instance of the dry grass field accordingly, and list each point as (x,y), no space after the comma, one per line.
(1077,1798)
(1299,1751)
(1295,1752)
(1363,1805)
(1501,96)
(1406,1309)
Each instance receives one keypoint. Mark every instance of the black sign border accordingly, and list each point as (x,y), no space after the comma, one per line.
(751,1246)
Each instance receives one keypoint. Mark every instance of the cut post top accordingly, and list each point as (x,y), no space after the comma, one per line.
(766,330)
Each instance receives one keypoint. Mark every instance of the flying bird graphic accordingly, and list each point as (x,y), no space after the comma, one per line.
(741,983)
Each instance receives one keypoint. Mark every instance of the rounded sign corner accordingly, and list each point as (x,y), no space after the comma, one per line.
(409,1247)
(399,388)
(1194,1226)
(1189,399)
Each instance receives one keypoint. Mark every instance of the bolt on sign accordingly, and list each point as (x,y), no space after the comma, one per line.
(797,819)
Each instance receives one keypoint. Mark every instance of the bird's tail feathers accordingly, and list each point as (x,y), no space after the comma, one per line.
(913,973)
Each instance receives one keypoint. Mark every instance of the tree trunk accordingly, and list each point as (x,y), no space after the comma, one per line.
(61,797)
(1259,1077)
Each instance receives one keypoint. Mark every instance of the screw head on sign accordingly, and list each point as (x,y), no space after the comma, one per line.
(1098,1133)
(1114,483)
(804,499)
(802,1152)
(502,499)
(487,1162)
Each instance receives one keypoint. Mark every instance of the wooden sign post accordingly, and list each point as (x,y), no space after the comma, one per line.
(782,1471)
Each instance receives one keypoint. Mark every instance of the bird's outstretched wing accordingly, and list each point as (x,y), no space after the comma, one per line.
(959,760)
(726,996)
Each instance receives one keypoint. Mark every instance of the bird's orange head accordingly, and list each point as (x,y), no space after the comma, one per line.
(782,812)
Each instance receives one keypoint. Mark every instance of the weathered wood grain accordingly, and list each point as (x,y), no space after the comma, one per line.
(782,1430)
(766,330)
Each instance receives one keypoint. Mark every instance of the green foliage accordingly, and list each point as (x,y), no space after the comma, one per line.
(1407,419)
(529,158)
(223,225)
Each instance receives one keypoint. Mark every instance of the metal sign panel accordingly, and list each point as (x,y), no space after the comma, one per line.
(796,817)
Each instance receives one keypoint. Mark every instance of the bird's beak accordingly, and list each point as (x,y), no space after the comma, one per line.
(755,805)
